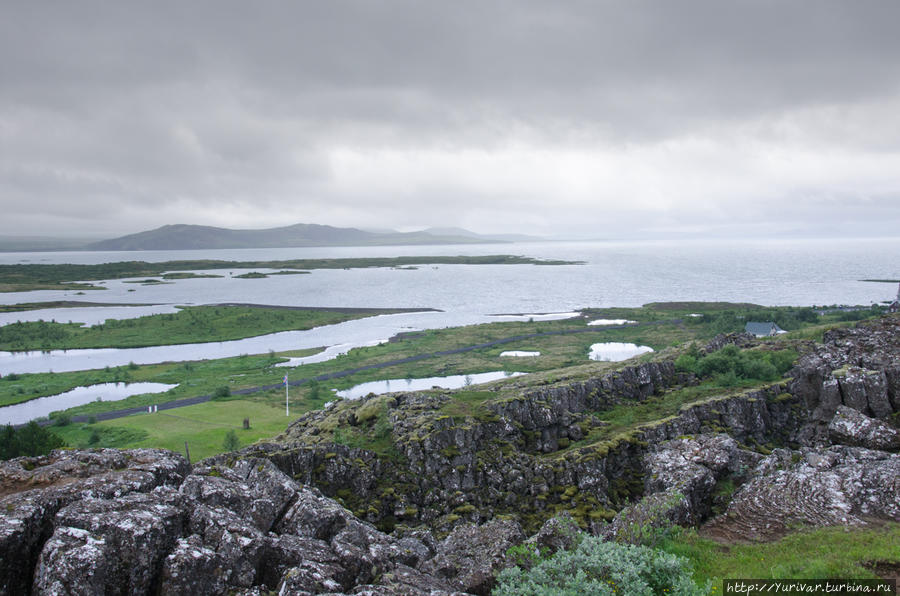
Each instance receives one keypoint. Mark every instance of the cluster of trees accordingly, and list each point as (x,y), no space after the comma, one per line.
(30,440)
(730,365)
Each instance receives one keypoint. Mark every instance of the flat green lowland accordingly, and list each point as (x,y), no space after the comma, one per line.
(23,278)
(202,426)
(192,324)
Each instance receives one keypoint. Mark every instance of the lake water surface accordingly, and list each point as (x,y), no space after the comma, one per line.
(448,382)
(790,272)
(21,413)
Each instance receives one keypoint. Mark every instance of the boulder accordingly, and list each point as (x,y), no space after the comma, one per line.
(134,533)
(74,561)
(193,568)
(36,488)
(471,556)
(558,533)
(850,427)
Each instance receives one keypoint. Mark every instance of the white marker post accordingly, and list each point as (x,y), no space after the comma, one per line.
(286,407)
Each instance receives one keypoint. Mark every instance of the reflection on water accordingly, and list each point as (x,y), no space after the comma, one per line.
(450,382)
(86,315)
(342,337)
(550,316)
(22,413)
(330,353)
(614,351)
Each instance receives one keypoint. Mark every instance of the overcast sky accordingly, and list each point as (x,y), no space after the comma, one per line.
(626,119)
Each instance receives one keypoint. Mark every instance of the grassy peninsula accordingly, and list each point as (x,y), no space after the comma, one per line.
(193,324)
(26,277)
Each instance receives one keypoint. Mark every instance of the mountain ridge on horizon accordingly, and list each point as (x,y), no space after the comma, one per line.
(191,236)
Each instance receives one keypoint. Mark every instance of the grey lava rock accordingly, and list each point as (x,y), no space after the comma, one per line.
(851,427)
(34,489)
(558,533)
(838,485)
(471,556)
(136,532)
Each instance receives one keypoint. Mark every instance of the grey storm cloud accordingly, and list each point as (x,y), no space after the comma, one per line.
(498,115)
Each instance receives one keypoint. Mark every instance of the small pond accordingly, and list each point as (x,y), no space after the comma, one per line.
(519,354)
(614,351)
(450,382)
(604,322)
(42,406)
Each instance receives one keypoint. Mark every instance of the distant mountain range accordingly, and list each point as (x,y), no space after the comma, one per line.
(186,237)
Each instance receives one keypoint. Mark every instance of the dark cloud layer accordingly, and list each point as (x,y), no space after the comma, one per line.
(537,116)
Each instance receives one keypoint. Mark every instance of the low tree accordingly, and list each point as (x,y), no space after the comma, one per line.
(231,442)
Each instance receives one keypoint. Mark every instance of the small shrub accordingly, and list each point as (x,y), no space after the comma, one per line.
(686,363)
(221,392)
(526,556)
(598,567)
(231,442)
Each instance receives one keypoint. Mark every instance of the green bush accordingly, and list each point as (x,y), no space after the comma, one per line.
(231,442)
(221,392)
(686,363)
(598,568)
(731,365)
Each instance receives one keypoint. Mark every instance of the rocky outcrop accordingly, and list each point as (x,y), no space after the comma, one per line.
(741,340)
(838,485)
(141,522)
(35,489)
(850,427)
(513,455)
(471,556)
(680,477)
(855,367)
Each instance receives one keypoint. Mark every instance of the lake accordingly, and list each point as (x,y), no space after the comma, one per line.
(789,272)
(42,406)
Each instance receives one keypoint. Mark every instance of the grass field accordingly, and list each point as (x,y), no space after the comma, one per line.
(824,553)
(202,426)
(192,324)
